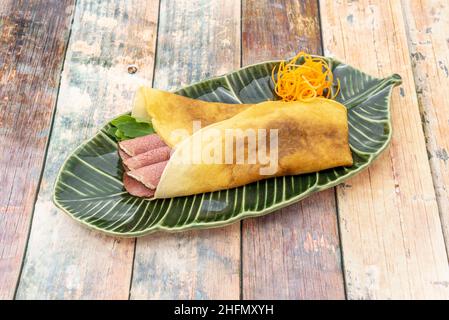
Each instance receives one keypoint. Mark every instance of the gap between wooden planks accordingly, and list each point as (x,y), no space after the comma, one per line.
(33,39)
(392,240)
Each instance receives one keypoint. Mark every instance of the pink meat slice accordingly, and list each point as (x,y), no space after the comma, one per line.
(140,145)
(136,188)
(123,155)
(149,175)
(147,158)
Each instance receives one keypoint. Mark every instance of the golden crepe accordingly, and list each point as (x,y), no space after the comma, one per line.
(311,136)
(169,112)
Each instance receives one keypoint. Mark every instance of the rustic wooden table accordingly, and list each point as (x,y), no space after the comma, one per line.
(64,72)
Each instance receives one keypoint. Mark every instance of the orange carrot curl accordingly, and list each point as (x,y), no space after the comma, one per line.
(304,82)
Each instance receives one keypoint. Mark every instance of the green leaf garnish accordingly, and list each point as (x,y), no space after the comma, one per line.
(127,127)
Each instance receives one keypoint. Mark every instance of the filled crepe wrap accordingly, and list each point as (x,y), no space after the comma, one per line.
(311,136)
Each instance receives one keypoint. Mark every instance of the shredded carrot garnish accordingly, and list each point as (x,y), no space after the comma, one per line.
(306,81)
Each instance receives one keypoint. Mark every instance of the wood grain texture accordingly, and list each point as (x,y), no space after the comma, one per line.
(196,40)
(427,27)
(33,38)
(390,226)
(295,253)
(65,260)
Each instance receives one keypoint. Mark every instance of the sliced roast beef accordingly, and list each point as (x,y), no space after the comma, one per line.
(144,160)
(149,175)
(147,158)
(140,145)
(136,188)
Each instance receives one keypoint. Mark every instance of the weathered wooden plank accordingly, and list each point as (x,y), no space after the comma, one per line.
(392,239)
(197,39)
(294,253)
(427,28)
(33,39)
(65,260)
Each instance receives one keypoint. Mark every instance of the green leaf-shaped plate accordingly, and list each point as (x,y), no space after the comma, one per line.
(89,185)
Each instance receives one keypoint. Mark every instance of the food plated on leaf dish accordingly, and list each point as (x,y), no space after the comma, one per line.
(231,147)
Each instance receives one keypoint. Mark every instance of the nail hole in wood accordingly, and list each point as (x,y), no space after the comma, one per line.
(132,68)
